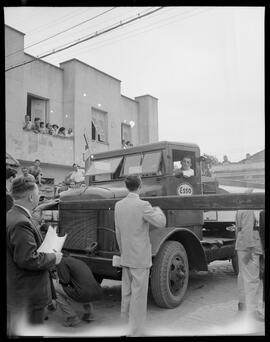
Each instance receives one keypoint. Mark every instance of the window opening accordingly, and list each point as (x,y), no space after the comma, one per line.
(125,134)
(37,108)
(99,125)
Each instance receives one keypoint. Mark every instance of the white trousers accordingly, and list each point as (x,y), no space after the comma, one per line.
(248,281)
(134,298)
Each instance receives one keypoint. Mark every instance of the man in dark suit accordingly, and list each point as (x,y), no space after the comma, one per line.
(10,176)
(28,282)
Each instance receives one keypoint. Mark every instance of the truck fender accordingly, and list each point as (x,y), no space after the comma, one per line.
(195,252)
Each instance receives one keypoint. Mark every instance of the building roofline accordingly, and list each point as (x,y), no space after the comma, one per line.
(12,28)
(252,156)
(89,66)
(146,95)
(41,60)
(129,98)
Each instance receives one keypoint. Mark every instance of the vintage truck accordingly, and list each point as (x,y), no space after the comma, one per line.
(186,243)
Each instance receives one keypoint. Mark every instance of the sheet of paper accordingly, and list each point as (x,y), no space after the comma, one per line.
(52,242)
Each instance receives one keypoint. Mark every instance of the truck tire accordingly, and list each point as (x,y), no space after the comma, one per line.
(169,275)
(235,263)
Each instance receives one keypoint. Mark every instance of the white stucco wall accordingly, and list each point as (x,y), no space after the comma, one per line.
(88,88)
(129,111)
(148,119)
(27,145)
(46,81)
(72,91)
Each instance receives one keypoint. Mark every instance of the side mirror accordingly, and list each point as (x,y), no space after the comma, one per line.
(202,158)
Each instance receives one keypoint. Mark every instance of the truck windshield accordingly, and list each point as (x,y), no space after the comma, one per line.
(104,166)
(145,164)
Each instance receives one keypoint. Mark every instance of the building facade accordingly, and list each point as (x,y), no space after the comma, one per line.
(74,95)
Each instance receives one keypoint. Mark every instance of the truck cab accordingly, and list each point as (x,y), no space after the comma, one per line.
(176,249)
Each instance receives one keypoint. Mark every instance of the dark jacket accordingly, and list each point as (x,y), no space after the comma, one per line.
(28,283)
(9,201)
(262,227)
(77,280)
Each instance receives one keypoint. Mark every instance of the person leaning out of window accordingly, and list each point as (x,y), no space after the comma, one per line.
(28,124)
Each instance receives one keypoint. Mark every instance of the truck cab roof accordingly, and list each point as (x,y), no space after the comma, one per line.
(147,147)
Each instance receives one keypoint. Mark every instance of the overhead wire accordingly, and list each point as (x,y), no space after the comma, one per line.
(133,34)
(108,27)
(57,34)
(156,14)
(139,16)
(75,33)
(120,15)
(151,26)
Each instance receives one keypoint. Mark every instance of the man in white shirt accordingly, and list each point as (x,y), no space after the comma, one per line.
(77,175)
(132,218)
(249,248)
(185,169)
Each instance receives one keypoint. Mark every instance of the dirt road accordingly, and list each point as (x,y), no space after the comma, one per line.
(209,308)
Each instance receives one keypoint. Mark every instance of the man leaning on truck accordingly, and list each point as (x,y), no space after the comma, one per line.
(132,218)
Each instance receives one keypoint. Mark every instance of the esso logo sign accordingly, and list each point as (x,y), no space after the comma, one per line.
(184,189)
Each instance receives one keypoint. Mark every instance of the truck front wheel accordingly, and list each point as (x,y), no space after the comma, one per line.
(169,275)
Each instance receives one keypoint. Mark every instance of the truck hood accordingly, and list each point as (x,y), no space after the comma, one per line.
(93,192)
(106,192)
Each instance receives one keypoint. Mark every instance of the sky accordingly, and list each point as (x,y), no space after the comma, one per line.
(204,64)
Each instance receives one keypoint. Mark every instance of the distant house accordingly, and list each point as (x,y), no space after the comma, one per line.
(248,172)
(257,157)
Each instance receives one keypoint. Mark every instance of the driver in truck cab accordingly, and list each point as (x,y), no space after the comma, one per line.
(185,169)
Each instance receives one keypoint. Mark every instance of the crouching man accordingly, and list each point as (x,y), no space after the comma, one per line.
(74,283)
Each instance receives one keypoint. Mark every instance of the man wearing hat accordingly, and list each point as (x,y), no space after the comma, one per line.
(28,282)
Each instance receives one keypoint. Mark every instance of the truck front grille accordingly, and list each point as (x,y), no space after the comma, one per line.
(80,226)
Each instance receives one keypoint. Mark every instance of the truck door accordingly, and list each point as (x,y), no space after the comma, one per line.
(185,186)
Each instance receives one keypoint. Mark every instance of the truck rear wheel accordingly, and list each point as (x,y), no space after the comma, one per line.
(169,276)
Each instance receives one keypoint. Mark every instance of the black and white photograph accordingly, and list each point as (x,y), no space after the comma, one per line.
(135,170)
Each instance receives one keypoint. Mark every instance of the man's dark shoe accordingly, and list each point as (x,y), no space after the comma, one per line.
(242,307)
(88,317)
(51,306)
(72,322)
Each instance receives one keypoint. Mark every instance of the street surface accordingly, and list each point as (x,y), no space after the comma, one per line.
(209,308)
